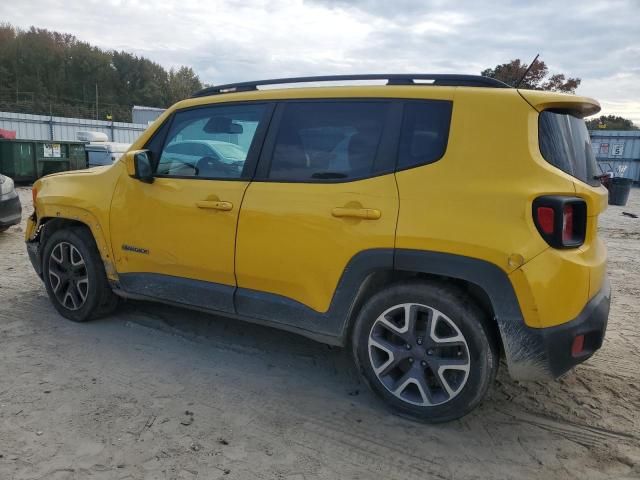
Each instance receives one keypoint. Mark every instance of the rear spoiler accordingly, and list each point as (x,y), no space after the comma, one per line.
(541,100)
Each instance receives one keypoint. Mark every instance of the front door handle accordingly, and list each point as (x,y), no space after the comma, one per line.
(363,213)
(215,205)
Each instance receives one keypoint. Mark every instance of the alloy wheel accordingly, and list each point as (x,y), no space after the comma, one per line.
(68,276)
(419,354)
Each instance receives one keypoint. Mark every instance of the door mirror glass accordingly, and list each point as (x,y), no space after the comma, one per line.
(143,169)
(139,165)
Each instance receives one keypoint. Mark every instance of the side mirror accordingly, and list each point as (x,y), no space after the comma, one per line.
(139,165)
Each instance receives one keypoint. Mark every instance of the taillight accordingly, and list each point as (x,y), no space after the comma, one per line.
(546,218)
(34,195)
(562,221)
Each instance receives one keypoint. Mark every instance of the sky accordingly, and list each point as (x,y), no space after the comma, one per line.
(239,40)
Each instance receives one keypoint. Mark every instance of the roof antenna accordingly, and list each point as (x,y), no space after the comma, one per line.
(527,71)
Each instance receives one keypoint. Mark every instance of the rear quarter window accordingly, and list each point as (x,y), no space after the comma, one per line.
(564,143)
(425,132)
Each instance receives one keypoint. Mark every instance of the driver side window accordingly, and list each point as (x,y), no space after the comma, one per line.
(210,142)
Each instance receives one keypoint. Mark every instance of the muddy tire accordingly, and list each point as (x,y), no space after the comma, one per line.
(74,276)
(425,349)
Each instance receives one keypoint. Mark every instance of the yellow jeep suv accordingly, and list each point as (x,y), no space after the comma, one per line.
(433,224)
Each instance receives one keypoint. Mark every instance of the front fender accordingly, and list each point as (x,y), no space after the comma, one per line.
(75,214)
(83,197)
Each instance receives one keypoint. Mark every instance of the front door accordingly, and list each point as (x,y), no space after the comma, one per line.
(174,239)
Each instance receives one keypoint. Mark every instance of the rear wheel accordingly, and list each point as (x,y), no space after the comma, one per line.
(74,275)
(426,350)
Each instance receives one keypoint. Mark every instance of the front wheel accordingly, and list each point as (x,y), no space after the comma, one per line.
(425,349)
(74,275)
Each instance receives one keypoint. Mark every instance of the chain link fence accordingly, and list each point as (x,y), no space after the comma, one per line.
(28,102)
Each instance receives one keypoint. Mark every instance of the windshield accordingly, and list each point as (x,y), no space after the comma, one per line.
(565,143)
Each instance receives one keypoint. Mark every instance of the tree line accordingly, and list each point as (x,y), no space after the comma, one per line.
(610,122)
(45,72)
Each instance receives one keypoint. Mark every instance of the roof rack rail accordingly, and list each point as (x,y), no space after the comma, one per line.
(392,79)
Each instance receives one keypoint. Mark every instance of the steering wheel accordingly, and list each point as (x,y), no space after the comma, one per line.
(211,166)
(180,162)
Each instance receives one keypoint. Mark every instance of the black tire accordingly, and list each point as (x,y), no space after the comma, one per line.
(471,345)
(94,300)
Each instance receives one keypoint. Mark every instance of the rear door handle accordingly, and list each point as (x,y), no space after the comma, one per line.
(363,213)
(215,205)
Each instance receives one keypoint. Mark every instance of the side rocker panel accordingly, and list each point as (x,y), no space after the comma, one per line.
(332,323)
(180,291)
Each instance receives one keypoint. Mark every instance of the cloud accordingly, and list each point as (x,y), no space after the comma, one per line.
(227,41)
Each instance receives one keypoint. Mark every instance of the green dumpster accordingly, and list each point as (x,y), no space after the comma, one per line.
(17,160)
(27,160)
(54,157)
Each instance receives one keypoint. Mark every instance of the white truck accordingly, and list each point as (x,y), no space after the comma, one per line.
(100,151)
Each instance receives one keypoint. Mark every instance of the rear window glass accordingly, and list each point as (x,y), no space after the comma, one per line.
(425,131)
(565,143)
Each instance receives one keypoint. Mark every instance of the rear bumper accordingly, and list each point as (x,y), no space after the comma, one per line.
(10,209)
(547,352)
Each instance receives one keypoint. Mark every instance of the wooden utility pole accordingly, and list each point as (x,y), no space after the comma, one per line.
(97,102)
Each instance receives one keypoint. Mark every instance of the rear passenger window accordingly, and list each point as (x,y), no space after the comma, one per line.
(327,140)
(425,131)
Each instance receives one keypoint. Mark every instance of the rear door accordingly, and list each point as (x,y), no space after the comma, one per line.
(324,192)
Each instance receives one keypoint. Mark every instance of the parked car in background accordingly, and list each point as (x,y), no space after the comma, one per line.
(10,208)
(99,150)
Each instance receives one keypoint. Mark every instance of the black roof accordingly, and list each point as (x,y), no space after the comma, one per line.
(392,79)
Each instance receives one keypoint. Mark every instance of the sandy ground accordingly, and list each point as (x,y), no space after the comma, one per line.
(109,399)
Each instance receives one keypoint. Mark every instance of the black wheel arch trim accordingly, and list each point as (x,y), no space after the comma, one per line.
(496,284)
(530,353)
